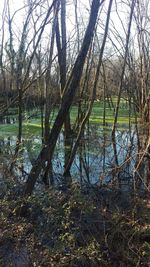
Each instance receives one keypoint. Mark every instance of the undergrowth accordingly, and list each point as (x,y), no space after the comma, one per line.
(76,228)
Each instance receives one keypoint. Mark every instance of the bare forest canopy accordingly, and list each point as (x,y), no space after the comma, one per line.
(31,44)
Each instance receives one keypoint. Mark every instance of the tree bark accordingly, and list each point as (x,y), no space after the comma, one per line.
(61,41)
(93,95)
(67,99)
(121,84)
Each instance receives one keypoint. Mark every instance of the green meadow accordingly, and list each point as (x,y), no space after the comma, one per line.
(32,120)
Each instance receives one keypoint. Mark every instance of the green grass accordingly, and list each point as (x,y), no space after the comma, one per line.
(32,126)
(28,128)
(8,129)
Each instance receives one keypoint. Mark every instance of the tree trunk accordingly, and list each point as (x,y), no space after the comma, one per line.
(87,115)
(67,99)
(62,59)
(121,85)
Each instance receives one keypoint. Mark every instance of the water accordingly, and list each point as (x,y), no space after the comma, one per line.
(94,161)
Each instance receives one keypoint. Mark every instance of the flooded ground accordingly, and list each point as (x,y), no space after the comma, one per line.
(94,161)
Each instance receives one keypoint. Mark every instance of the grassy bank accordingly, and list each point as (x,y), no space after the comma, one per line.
(32,121)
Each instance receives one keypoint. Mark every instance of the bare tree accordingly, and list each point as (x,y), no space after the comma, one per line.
(67,98)
(121,83)
(92,97)
(61,41)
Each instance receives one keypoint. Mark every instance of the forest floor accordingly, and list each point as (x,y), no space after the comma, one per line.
(88,227)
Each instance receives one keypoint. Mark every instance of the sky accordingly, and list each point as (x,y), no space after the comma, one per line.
(118,17)
(83,7)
